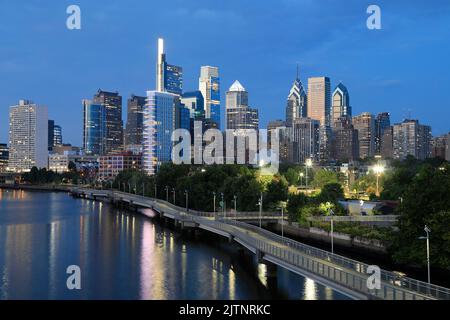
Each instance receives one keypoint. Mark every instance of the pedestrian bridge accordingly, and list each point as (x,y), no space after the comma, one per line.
(344,275)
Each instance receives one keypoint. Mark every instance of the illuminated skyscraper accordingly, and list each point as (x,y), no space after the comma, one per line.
(28,136)
(209,86)
(296,102)
(319,100)
(57,135)
(365,124)
(411,138)
(112,102)
(4,157)
(169,78)
(382,123)
(306,139)
(135,116)
(94,128)
(239,114)
(341,105)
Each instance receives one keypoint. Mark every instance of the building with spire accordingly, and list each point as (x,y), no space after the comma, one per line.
(239,114)
(169,78)
(296,102)
(340,104)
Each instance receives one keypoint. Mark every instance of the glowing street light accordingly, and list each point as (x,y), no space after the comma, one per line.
(308,164)
(378,169)
(301,178)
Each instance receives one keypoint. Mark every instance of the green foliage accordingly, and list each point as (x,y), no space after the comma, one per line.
(277,190)
(295,203)
(331,192)
(323,177)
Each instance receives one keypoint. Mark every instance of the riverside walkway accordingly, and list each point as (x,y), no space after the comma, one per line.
(344,275)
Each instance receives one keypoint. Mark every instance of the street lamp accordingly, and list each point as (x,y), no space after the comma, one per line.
(223,206)
(332,230)
(308,164)
(167,194)
(378,169)
(282,220)
(174,194)
(301,178)
(427,230)
(235,206)
(187,200)
(129,187)
(260,203)
(214,203)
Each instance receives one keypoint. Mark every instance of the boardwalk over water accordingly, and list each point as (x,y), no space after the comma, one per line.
(337,272)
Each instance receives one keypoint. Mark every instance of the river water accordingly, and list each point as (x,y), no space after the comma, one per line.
(125,255)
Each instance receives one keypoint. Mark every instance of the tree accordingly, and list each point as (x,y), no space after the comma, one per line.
(294,205)
(323,177)
(331,192)
(277,190)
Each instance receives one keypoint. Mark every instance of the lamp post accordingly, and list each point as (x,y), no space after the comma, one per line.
(174,194)
(167,194)
(235,206)
(214,203)
(427,230)
(135,188)
(129,187)
(378,169)
(223,206)
(282,219)
(187,200)
(308,164)
(260,203)
(332,230)
(301,178)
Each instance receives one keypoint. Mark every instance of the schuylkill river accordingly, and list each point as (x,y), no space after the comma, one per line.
(124,255)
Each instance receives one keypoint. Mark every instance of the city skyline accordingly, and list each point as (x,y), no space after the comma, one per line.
(268,83)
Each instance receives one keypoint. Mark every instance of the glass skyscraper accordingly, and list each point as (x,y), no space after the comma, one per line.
(94,128)
(169,78)
(135,116)
(159,123)
(296,102)
(341,105)
(319,100)
(209,86)
(382,123)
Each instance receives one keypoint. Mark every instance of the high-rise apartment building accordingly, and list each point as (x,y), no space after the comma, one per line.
(239,114)
(411,138)
(296,102)
(387,147)
(365,124)
(94,128)
(169,78)
(159,123)
(382,123)
(439,146)
(51,134)
(209,86)
(319,100)
(112,103)
(306,140)
(57,135)
(341,105)
(28,136)
(135,116)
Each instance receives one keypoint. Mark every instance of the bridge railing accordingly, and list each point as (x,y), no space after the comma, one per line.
(394,279)
(374,218)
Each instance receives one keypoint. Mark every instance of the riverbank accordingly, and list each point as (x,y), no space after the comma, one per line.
(50,188)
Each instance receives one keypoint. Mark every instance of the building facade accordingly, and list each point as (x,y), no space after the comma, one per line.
(345,142)
(169,78)
(112,103)
(94,128)
(159,123)
(111,165)
(239,115)
(410,138)
(296,102)
(4,157)
(209,86)
(365,124)
(340,105)
(319,100)
(306,140)
(28,136)
(135,116)
(382,123)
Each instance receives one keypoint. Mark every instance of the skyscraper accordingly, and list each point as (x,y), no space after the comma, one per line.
(341,105)
(296,102)
(345,144)
(28,136)
(51,134)
(169,78)
(194,101)
(57,135)
(306,139)
(365,124)
(112,103)
(387,147)
(159,123)
(94,128)
(411,138)
(239,114)
(135,116)
(382,123)
(319,100)
(209,86)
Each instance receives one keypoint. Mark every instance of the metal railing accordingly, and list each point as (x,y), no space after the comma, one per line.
(374,218)
(306,257)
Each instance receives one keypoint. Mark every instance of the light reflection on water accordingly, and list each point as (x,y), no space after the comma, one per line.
(122,256)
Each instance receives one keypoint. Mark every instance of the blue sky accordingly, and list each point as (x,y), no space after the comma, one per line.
(403,68)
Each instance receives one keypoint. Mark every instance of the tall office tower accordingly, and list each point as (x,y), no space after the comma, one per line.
(209,86)
(296,102)
(182,115)
(112,102)
(28,136)
(306,139)
(57,135)
(345,144)
(319,100)
(411,138)
(51,134)
(365,124)
(341,105)
(194,101)
(4,157)
(169,78)
(387,147)
(135,116)
(239,114)
(159,123)
(382,122)
(439,146)
(94,128)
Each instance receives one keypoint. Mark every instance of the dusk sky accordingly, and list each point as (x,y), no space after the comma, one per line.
(404,68)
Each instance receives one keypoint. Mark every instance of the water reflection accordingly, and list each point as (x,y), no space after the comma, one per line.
(121,256)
